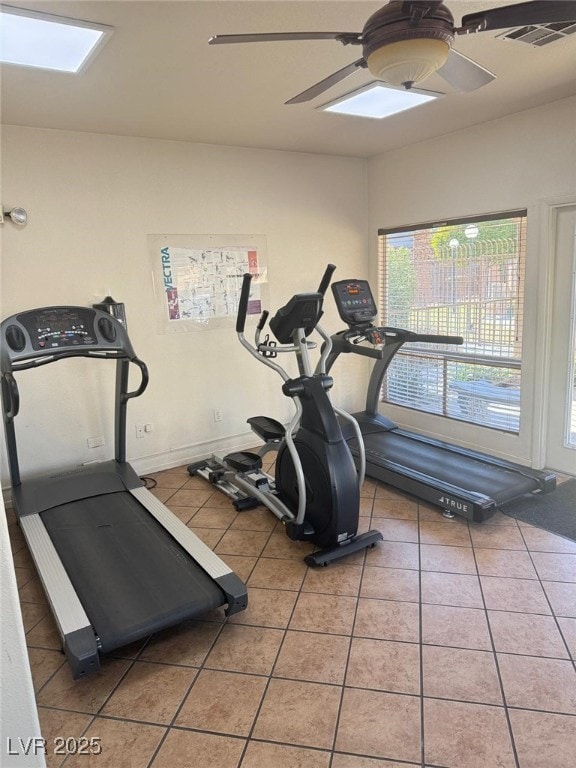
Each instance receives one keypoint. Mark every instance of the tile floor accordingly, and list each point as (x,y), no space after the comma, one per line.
(450,644)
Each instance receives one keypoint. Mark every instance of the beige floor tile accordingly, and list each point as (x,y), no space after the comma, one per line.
(315,639)
(259,519)
(225,702)
(353,761)
(56,726)
(394,509)
(384,665)
(191,497)
(454,534)
(568,629)
(263,755)
(302,713)
(338,579)
(252,650)
(235,542)
(460,590)
(209,517)
(536,683)
(555,567)
(462,735)
(185,514)
(267,608)
(32,613)
(150,692)
(527,634)
(543,739)
(538,540)
(210,536)
(219,500)
(43,664)
(271,573)
(391,584)
(373,723)
(311,656)
(122,743)
(562,597)
(521,595)
(45,634)
(24,575)
(168,479)
(164,494)
(32,592)
(466,675)
(324,613)
(397,529)
(87,694)
(447,559)
(241,565)
(455,627)
(387,620)
(184,749)
(488,536)
(394,554)
(508,563)
(279,545)
(187,643)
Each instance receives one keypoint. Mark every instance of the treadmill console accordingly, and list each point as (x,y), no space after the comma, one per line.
(64,330)
(354,301)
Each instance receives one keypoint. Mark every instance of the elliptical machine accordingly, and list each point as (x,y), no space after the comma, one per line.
(316,489)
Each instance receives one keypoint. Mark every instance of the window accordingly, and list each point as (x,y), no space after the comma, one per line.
(457,278)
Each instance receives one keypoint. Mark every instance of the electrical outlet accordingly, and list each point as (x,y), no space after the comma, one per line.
(95,442)
(140,430)
(217,414)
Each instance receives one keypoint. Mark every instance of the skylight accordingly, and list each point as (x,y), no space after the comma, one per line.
(379,100)
(32,39)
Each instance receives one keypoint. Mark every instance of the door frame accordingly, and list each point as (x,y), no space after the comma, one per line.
(549,209)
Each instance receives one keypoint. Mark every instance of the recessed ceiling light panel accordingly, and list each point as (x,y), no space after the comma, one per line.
(32,39)
(379,100)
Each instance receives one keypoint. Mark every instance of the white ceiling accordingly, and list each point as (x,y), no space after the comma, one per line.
(157,77)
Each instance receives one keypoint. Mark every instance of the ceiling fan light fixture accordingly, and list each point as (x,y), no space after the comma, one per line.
(406,62)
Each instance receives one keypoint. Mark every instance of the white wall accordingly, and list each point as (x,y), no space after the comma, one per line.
(19,728)
(92,200)
(520,161)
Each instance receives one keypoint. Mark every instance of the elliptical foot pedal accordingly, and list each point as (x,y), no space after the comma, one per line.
(266,428)
(326,556)
(243,461)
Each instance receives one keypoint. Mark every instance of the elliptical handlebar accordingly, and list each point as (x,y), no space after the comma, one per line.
(243,304)
(326,278)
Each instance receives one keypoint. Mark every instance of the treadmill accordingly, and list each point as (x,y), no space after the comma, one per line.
(116,565)
(460,481)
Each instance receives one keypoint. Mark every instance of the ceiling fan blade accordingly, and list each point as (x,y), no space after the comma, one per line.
(328,82)
(263,37)
(464,74)
(520,15)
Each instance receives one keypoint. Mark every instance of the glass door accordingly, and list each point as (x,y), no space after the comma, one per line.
(561,432)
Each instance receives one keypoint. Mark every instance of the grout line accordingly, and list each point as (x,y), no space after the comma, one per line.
(498,672)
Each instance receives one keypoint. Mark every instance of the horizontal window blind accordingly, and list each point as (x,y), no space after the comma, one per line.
(459,278)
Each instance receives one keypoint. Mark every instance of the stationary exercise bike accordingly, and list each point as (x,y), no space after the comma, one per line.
(316,488)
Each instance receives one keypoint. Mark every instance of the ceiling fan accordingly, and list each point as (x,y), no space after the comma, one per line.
(406,41)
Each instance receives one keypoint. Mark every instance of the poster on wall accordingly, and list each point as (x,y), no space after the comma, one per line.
(198,279)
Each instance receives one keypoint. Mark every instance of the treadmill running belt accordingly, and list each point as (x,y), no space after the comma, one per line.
(447,466)
(131,576)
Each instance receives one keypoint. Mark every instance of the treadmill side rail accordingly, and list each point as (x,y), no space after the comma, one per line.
(231,585)
(78,639)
